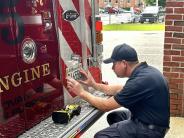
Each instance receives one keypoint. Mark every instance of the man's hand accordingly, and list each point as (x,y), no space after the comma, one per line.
(74,86)
(88,79)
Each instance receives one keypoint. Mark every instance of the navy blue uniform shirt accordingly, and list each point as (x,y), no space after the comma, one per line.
(146,95)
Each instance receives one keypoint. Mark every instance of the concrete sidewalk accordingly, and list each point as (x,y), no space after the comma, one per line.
(176,128)
(149,46)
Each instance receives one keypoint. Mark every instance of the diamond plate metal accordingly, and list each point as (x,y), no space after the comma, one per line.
(48,129)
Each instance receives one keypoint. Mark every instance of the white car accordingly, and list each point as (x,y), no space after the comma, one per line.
(128,17)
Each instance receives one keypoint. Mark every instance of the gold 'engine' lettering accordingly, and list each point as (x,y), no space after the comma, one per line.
(4,84)
(35,72)
(27,75)
(46,69)
(14,78)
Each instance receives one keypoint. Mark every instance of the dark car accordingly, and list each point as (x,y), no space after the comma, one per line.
(152,14)
(111,10)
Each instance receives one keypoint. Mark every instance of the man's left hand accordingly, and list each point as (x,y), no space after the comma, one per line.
(74,86)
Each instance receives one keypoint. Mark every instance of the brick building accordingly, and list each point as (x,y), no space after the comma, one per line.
(121,3)
(173,65)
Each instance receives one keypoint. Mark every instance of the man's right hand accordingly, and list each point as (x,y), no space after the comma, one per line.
(88,79)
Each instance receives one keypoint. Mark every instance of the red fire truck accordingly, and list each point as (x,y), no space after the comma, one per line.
(41,43)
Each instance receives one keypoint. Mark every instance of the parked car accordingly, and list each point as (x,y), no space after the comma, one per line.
(152,14)
(121,11)
(129,17)
(111,10)
(101,10)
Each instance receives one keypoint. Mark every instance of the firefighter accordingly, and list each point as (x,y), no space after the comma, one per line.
(145,97)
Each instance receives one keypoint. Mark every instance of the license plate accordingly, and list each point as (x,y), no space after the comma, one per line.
(147,20)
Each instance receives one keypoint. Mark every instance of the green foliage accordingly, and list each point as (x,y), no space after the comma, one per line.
(150,2)
(153,2)
(162,3)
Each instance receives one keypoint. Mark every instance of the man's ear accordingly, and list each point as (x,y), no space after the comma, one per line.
(125,63)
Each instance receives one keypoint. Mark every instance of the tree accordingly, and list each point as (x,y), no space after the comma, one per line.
(153,2)
(162,3)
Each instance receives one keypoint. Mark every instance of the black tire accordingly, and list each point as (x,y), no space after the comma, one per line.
(133,20)
(157,19)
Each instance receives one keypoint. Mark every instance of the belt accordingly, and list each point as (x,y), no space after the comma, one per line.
(152,127)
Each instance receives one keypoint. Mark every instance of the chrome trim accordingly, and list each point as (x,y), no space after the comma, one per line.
(28,51)
(35,20)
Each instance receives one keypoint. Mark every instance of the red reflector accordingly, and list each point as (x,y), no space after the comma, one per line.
(98,25)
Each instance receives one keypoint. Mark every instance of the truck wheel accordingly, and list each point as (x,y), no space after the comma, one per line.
(157,19)
(133,21)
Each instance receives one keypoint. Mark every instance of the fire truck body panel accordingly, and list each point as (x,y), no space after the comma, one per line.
(26,96)
(75,38)
(43,42)
(40,97)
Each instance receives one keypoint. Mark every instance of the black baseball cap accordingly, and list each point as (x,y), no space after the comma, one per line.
(122,52)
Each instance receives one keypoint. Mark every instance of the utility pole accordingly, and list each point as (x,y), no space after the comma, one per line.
(156,2)
(109,3)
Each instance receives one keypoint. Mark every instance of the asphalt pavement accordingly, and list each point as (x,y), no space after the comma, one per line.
(149,46)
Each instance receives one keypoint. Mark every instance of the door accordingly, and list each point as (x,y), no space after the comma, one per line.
(38,60)
(11,96)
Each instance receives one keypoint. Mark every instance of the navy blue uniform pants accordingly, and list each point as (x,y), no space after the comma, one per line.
(122,126)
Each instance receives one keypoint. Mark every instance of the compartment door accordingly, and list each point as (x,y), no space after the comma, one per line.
(11,97)
(38,60)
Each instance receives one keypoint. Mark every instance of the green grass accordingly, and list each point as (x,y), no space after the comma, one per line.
(134,27)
